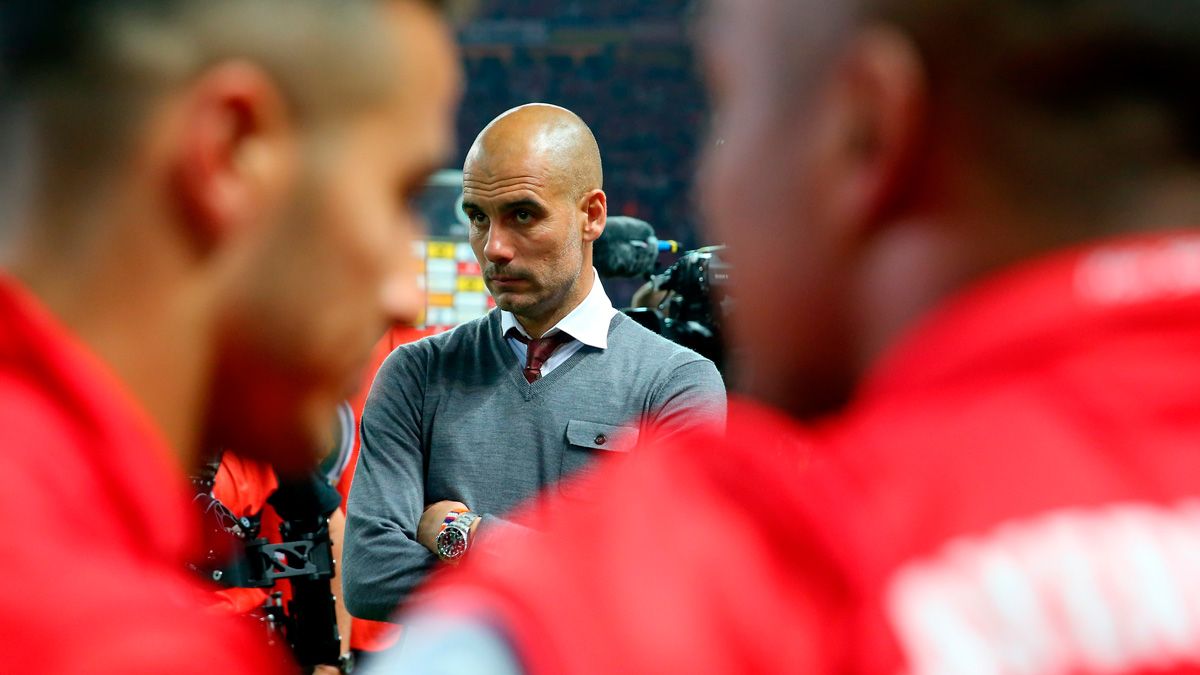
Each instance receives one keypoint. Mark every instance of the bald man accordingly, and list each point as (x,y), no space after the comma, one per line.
(461,427)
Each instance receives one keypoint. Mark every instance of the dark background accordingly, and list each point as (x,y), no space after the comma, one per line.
(626,67)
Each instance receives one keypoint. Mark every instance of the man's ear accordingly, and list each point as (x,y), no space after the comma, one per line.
(595,206)
(876,131)
(235,158)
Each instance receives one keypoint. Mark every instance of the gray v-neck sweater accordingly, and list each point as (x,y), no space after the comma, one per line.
(451,417)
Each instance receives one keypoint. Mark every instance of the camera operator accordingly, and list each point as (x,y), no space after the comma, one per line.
(687,303)
(298,597)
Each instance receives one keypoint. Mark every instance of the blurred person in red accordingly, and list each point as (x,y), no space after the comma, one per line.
(206,225)
(965,239)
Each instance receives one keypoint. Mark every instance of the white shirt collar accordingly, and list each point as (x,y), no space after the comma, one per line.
(588,322)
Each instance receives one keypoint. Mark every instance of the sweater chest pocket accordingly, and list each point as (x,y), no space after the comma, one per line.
(587,441)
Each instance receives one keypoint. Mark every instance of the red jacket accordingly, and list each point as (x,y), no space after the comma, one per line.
(244,486)
(98,522)
(1016,490)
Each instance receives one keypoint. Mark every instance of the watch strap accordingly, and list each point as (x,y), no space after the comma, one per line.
(451,516)
(465,521)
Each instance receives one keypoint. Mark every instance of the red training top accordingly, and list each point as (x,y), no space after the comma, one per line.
(99,522)
(1016,490)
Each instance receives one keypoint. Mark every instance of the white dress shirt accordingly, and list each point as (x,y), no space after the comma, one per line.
(587,324)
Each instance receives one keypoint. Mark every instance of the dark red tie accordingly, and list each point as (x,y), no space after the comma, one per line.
(538,351)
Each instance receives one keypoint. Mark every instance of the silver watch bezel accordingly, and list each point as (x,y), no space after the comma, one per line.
(458,532)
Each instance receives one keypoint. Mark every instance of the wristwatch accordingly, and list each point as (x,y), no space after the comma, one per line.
(455,535)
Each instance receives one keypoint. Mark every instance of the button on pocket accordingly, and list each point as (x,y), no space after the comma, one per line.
(587,441)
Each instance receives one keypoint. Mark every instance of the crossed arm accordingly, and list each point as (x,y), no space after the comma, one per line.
(391,527)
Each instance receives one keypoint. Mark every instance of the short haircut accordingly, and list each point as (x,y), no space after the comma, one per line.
(75,74)
(1069,98)
(81,39)
(1118,75)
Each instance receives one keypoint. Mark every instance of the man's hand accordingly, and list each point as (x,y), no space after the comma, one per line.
(431,522)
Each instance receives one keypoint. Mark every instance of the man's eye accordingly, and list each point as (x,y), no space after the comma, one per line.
(479,219)
(524,217)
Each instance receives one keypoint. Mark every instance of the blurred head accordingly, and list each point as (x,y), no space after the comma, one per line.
(303,319)
(263,151)
(869,158)
(532,190)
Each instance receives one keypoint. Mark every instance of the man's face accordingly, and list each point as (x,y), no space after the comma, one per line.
(763,188)
(526,231)
(338,268)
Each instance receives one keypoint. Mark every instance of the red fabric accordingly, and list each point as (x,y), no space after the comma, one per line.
(99,522)
(1061,393)
(374,636)
(244,486)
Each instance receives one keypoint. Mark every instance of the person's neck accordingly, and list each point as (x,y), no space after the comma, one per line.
(538,326)
(917,265)
(152,331)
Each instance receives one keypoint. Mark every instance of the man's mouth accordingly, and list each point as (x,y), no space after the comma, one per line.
(506,280)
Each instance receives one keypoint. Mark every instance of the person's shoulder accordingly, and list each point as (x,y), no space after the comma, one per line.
(27,408)
(449,344)
(128,613)
(466,335)
(665,365)
(42,435)
(632,338)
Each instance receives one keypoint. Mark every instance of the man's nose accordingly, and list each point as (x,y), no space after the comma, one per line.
(498,250)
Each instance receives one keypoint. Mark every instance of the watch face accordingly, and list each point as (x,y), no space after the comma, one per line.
(451,543)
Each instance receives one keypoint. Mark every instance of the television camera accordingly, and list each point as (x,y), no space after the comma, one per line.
(687,303)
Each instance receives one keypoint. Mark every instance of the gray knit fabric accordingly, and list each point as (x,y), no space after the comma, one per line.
(452,417)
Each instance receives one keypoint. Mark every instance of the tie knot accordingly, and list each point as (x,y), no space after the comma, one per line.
(538,350)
